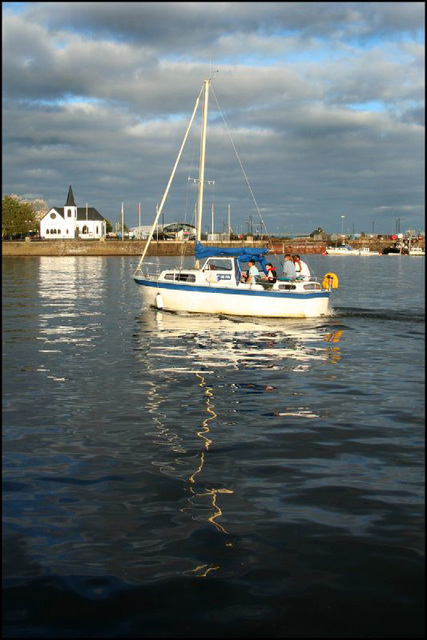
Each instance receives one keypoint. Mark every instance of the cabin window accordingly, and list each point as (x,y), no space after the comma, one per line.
(185,277)
(287,287)
(181,277)
(219,264)
(312,286)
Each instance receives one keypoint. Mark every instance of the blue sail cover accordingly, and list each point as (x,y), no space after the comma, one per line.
(243,254)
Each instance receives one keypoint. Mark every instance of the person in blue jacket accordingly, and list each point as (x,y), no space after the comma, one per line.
(289,267)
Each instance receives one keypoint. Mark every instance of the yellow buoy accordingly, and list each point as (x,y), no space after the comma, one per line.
(330,281)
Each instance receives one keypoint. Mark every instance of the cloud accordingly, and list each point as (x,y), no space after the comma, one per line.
(324,101)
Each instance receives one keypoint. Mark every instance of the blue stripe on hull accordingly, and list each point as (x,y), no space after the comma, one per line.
(235,292)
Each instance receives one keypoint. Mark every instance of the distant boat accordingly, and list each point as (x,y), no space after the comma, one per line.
(366,251)
(417,251)
(395,250)
(216,284)
(343,250)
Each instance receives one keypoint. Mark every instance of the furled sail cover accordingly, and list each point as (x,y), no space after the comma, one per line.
(243,254)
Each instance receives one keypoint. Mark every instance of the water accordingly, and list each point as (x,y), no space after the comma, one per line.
(184,476)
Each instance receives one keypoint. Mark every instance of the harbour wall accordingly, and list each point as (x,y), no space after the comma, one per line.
(136,247)
(30,247)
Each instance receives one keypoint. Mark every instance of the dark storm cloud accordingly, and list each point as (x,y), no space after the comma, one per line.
(325,102)
(184,25)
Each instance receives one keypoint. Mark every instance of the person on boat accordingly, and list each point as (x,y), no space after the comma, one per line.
(289,268)
(271,273)
(297,264)
(269,278)
(302,269)
(253,273)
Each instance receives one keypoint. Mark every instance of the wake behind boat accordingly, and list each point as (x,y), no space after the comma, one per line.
(215,285)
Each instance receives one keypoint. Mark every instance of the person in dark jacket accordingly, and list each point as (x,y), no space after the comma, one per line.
(271,272)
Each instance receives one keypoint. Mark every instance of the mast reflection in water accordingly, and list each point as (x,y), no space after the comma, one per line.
(200,346)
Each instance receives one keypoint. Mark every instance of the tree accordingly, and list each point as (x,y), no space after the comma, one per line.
(18,218)
(40,206)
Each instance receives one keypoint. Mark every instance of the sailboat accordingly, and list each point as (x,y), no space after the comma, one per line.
(215,285)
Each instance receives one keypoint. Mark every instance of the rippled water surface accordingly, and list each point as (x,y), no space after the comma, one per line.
(169,475)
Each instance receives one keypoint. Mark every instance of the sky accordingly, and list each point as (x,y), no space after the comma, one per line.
(320,103)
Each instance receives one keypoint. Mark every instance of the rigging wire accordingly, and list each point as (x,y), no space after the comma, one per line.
(193,218)
(245,176)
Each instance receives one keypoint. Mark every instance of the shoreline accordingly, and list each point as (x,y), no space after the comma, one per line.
(136,247)
(16,248)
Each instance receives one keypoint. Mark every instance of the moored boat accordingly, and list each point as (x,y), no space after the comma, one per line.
(395,250)
(417,251)
(366,251)
(343,250)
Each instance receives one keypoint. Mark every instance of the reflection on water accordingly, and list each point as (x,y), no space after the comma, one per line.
(196,343)
(206,354)
(239,473)
(65,286)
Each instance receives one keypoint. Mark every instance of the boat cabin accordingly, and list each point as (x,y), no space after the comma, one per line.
(223,270)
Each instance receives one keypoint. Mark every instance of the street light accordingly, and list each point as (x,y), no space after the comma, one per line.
(342,225)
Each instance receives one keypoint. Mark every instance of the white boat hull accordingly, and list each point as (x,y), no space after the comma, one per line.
(233,301)
(350,252)
(367,253)
(341,251)
(332,252)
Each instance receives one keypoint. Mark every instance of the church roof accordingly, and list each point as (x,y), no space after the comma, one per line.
(70,198)
(92,213)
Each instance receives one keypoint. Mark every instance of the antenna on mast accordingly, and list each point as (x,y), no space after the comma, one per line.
(211,76)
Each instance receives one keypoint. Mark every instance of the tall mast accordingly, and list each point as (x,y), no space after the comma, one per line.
(160,209)
(202,160)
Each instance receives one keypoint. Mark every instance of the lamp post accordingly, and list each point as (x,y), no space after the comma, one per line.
(342,225)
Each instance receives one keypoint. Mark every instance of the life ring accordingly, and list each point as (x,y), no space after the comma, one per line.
(330,281)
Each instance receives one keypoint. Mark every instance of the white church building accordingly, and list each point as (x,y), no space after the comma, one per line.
(72,222)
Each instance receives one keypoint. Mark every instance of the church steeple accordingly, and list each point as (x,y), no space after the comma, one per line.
(70,198)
